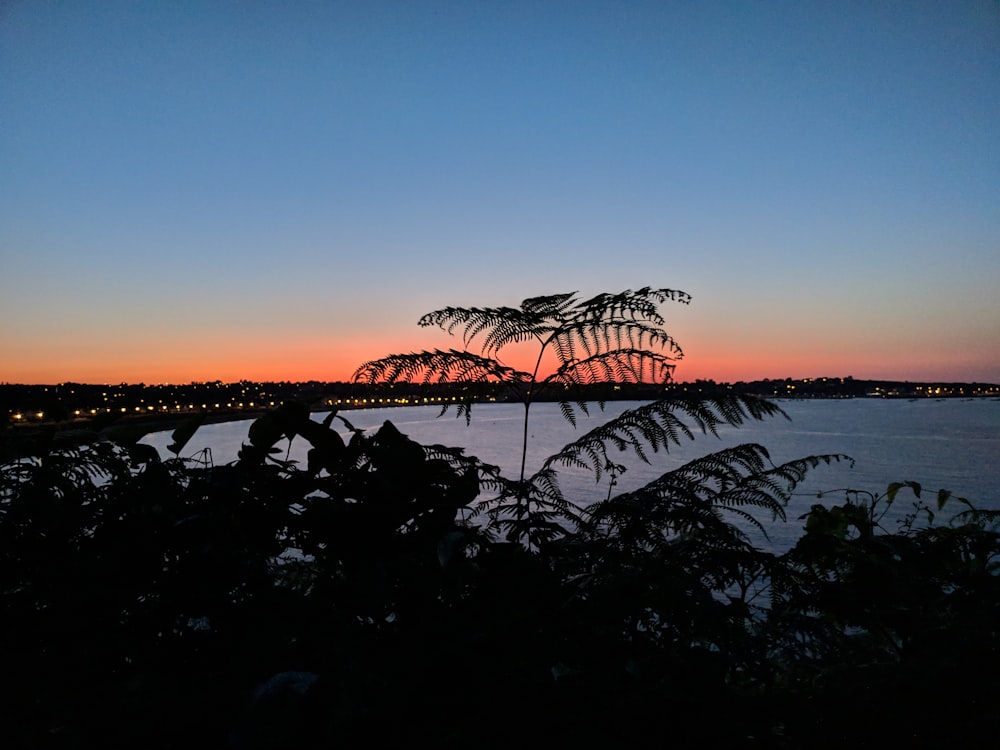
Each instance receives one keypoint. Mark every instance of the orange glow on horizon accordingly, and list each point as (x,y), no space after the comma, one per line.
(305,358)
(303,366)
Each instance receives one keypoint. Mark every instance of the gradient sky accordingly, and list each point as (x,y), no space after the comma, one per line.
(277,191)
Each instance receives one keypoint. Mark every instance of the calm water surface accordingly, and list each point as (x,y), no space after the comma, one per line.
(950,443)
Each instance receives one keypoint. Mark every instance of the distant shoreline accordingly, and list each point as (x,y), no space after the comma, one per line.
(162,423)
(96,408)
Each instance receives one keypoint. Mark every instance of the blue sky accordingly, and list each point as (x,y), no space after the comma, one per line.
(202,190)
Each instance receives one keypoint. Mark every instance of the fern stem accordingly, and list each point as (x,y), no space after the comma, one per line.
(527,401)
(524,440)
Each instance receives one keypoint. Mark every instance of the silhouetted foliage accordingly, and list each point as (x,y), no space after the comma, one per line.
(385,591)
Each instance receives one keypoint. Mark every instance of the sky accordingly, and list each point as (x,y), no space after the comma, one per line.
(230,190)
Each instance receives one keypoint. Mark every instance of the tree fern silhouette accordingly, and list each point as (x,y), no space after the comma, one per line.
(609,338)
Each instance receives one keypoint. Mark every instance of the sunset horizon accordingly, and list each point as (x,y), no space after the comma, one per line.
(300,360)
(255,191)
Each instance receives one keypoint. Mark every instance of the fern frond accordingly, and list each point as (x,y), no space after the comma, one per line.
(531,510)
(501,325)
(438,365)
(625,365)
(729,480)
(658,425)
(629,319)
(640,304)
(550,305)
(617,333)
(680,501)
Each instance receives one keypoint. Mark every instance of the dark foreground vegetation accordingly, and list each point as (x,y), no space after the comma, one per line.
(385,592)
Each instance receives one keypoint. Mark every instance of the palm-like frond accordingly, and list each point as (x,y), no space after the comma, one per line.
(641,304)
(549,305)
(655,426)
(536,318)
(502,325)
(730,481)
(607,338)
(608,321)
(439,365)
(533,510)
(625,365)
(608,333)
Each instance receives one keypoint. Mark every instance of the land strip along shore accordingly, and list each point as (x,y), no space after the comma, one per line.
(80,406)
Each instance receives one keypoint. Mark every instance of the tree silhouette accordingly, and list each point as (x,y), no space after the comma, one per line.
(611,339)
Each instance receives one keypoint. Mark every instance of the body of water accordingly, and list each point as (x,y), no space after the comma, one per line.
(951,444)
